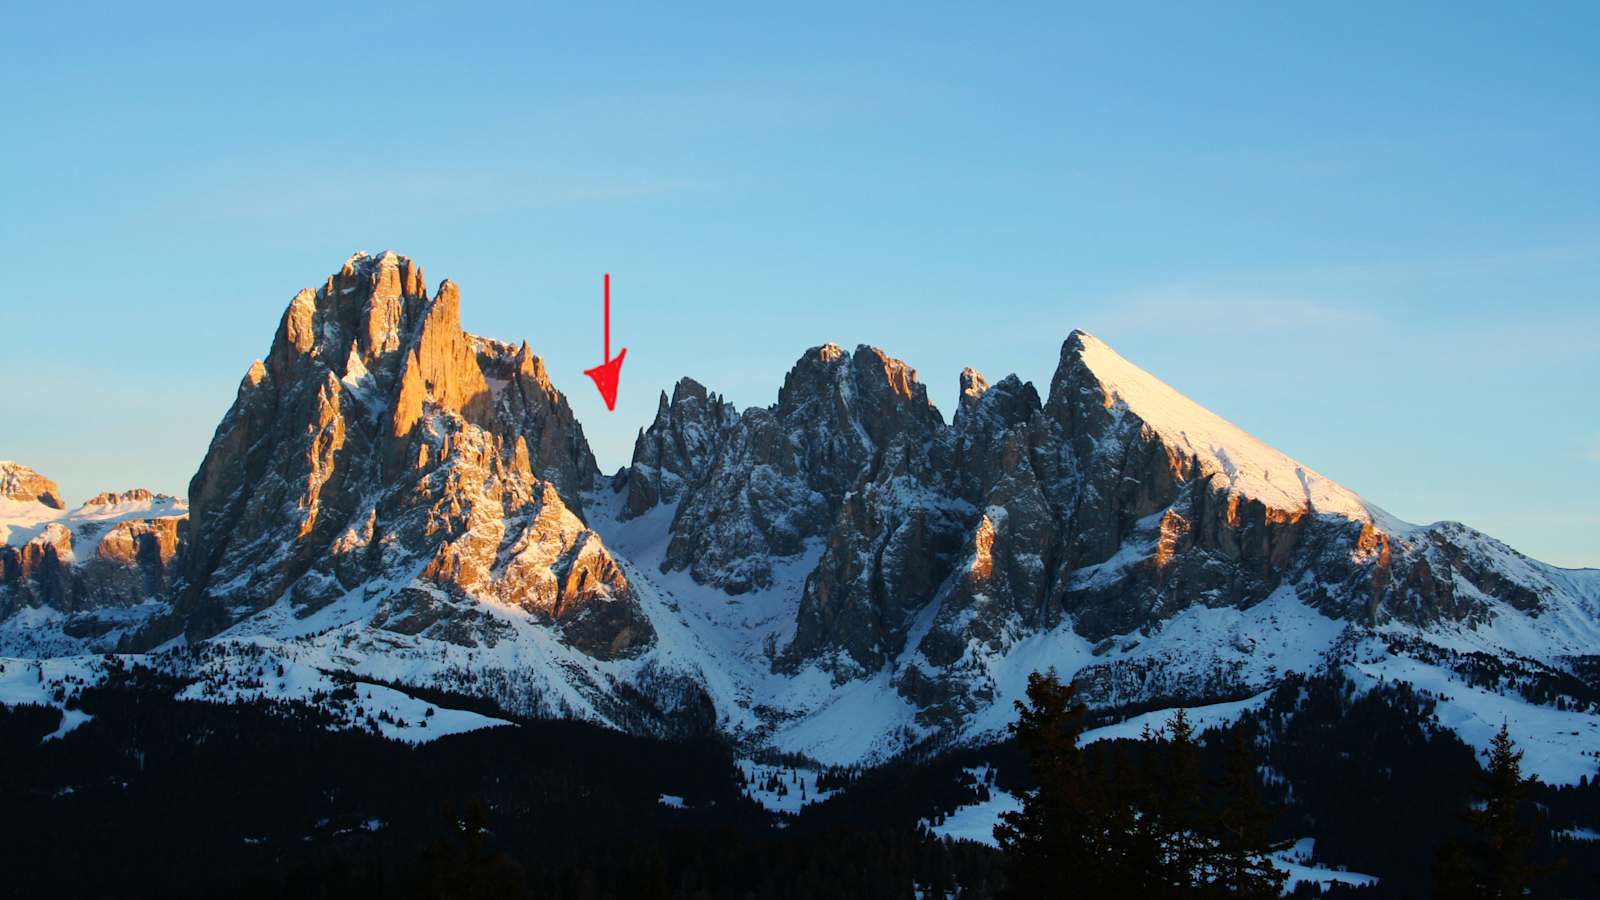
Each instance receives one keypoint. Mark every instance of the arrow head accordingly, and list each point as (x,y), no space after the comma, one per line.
(605,378)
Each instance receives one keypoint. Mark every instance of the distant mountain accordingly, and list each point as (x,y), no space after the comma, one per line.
(843,575)
(85,577)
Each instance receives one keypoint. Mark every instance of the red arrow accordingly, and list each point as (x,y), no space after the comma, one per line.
(606,374)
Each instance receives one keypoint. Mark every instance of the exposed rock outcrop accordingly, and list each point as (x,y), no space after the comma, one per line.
(677,448)
(20,483)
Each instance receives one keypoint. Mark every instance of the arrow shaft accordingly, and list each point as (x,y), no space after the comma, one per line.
(605,375)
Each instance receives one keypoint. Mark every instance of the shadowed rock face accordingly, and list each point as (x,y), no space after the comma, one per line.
(777,477)
(381,449)
(38,573)
(677,448)
(942,546)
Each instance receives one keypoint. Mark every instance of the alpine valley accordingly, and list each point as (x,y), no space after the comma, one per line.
(398,554)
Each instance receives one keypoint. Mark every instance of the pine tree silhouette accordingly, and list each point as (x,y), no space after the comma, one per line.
(1053,843)
(1177,806)
(1241,866)
(1493,862)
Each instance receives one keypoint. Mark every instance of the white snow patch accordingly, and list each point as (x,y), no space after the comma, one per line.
(70,720)
(976,821)
(1299,862)
(51,682)
(861,719)
(392,713)
(779,788)
(1201,717)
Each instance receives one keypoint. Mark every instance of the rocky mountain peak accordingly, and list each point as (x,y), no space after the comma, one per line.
(780,474)
(973,385)
(812,379)
(440,367)
(993,408)
(867,393)
(687,389)
(376,431)
(18,482)
(895,401)
(678,447)
(373,303)
(134,495)
(1094,386)
(532,368)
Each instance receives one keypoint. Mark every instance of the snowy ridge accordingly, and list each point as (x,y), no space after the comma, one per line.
(1250,466)
(23,521)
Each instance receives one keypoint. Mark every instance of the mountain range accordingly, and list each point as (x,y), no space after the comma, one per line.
(843,575)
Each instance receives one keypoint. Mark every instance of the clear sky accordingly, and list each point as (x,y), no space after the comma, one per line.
(1369,235)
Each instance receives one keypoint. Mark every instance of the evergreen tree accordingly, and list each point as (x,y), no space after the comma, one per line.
(1453,876)
(1241,866)
(1053,843)
(1494,863)
(1131,830)
(1177,808)
(464,868)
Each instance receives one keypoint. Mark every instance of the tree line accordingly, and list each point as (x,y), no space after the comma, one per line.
(1146,821)
(1143,823)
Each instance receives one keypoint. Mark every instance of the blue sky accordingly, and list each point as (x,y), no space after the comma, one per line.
(1371,236)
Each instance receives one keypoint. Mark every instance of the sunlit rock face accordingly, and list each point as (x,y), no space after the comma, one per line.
(380,450)
(24,485)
